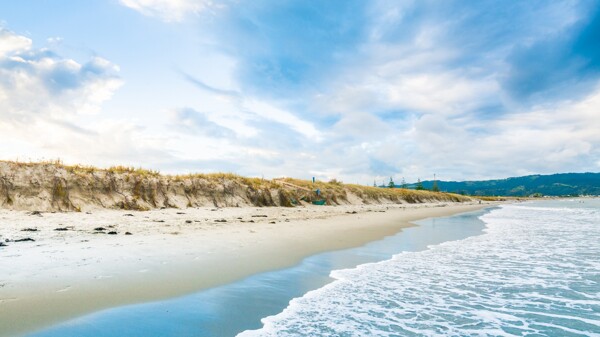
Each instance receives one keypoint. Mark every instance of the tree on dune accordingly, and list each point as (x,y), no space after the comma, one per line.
(419,185)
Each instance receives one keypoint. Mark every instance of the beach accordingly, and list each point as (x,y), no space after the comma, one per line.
(75,266)
(198,168)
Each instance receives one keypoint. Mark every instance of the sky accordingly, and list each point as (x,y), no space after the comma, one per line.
(359,91)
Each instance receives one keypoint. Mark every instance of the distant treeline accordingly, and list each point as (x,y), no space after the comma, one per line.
(562,184)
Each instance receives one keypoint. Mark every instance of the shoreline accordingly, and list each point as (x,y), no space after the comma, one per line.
(66,274)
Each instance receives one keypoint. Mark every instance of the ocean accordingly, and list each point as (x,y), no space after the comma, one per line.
(528,269)
(534,272)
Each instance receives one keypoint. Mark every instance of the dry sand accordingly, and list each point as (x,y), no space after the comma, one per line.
(78,270)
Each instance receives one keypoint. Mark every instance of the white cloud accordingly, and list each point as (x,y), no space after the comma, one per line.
(558,139)
(270,112)
(36,83)
(245,115)
(440,124)
(361,126)
(105,143)
(408,78)
(169,10)
(57,40)
(49,107)
(198,123)
(11,43)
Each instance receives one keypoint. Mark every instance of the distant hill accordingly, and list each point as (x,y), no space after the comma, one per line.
(562,184)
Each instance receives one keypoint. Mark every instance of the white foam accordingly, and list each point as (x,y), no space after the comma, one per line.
(536,270)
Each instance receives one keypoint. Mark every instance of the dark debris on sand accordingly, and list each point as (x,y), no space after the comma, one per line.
(24,240)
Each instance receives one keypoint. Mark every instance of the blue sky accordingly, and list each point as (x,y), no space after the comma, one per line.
(352,90)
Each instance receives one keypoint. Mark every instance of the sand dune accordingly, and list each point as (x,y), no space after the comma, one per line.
(56,187)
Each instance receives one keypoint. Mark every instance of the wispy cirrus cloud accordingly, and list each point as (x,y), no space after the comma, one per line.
(198,123)
(170,10)
(249,108)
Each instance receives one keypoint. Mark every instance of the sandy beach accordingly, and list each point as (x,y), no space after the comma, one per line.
(75,266)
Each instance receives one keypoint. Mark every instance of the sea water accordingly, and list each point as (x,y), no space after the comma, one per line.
(534,272)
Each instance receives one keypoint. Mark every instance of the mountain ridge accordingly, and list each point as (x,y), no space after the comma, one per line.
(558,184)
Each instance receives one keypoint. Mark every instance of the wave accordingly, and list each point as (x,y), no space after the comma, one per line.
(535,270)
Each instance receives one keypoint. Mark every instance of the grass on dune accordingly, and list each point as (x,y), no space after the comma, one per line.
(77,168)
(337,188)
(333,191)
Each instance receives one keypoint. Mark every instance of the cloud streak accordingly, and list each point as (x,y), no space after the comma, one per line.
(170,10)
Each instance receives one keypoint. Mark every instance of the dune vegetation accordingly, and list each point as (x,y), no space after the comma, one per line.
(54,186)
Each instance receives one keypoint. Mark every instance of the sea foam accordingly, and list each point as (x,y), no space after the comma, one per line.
(535,270)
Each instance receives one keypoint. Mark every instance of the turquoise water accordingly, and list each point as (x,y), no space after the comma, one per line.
(230,309)
(534,272)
